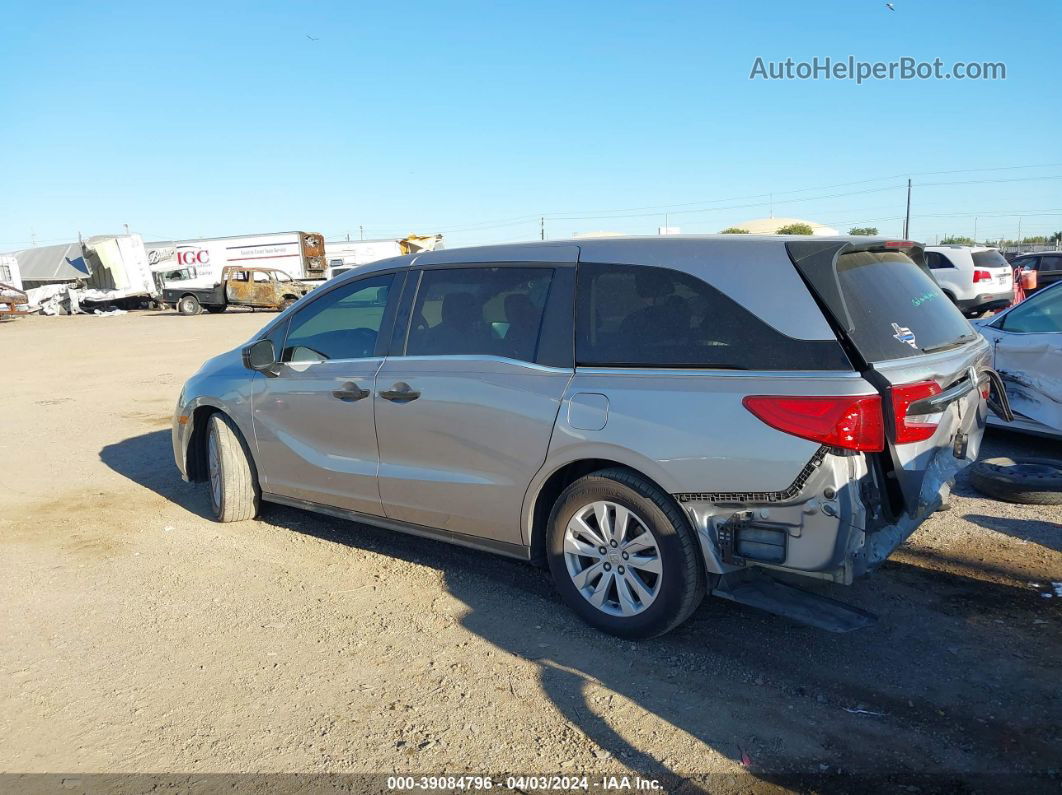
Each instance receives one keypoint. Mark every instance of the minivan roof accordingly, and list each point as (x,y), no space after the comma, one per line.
(634,249)
(646,249)
(723,261)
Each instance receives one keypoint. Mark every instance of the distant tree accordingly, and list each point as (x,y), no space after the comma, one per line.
(794,229)
(734,230)
(863,230)
(958,240)
(1056,237)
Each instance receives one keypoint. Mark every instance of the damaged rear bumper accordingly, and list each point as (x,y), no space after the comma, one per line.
(831,528)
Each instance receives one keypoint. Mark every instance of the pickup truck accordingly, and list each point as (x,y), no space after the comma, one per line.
(258,288)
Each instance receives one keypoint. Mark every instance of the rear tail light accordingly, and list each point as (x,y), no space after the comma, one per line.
(914,427)
(982,276)
(853,423)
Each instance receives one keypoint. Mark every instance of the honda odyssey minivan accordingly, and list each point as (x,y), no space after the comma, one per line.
(650,417)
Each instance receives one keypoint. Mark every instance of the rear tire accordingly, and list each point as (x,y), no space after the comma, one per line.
(1030,481)
(189,305)
(234,492)
(651,576)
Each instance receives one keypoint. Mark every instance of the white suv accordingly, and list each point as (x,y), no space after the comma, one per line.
(976,278)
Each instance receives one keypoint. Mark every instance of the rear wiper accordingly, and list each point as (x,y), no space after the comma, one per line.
(947,345)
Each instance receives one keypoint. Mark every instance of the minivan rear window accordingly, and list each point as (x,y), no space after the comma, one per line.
(989,259)
(890,306)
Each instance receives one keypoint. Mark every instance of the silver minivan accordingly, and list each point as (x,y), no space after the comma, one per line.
(653,418)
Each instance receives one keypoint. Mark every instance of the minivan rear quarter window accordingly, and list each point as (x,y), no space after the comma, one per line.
(643,316)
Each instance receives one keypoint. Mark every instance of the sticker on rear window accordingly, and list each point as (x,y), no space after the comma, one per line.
(904,334)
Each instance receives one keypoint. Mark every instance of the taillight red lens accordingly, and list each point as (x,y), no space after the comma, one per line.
(854,423)
(982,276)
(913,427)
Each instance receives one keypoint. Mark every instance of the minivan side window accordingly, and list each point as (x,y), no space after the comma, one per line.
(488,310)
(343,324)
(641,316)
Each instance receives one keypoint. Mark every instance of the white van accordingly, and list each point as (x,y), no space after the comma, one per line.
(975,278)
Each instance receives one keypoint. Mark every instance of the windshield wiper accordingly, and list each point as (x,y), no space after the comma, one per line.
(947,345)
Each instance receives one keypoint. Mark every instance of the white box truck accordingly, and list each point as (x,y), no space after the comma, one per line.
(198,264)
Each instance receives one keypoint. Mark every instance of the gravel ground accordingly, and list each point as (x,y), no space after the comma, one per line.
(141,637)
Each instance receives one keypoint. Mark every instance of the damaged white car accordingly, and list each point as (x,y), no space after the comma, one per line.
(1027,349)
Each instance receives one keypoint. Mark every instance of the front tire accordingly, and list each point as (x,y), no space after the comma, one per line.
(217,309)
(623,555)
(234,493)
(189,305)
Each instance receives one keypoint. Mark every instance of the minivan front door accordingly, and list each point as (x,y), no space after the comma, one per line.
(465,412)
(313,419)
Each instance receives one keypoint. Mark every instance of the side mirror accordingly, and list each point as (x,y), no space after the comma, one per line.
(260,356)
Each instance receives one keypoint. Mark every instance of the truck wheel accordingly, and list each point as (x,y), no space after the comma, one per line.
(1032,481)
(623,555)
(287,301)
(189,305)
(217,309)
(234,493)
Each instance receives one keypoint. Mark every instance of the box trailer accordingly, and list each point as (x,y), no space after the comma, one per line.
(119,271)
(198,264)
(13,300)
(342,255)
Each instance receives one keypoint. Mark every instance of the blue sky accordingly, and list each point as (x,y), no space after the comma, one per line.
(200,119)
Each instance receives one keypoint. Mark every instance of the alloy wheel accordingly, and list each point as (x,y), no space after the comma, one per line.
(613,558)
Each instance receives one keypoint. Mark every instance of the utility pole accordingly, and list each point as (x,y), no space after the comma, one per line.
(126,229)
(907,218)
(975,229)
(361,231)
(348,237)
(1019,233)
(542,227)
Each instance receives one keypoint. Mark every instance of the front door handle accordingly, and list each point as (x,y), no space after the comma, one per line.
(350,392)
(400,393)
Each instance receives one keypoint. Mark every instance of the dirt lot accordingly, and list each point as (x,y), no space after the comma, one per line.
(139,636)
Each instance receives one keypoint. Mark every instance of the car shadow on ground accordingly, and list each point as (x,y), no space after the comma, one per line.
(953,687)
(148,460)
(1036,531)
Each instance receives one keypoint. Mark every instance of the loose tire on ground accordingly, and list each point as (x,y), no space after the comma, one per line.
(1031,481)
(234,492)
(682,578)
(189,305)
(216,309)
